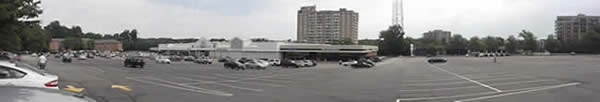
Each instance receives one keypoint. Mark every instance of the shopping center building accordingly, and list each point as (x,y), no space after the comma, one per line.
(238,48)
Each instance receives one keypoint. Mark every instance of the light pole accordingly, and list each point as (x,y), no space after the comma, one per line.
(412,49)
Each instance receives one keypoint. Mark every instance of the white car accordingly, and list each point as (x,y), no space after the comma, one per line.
(262,62)
(256,64)
(163,60)
(82,57)
(308,63)
(274,62)
(24,75)
(347,63)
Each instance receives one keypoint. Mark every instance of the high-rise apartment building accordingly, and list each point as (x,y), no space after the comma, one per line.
(570,29)
(327,26)
(438,35)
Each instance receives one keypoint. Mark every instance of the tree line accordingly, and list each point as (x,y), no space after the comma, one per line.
(129,38)
(20,30)
(392,42)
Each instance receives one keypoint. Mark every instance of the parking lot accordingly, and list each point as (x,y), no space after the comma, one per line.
(402,79)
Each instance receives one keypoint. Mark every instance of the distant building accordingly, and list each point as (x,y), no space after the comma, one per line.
(55,45)
(238,48)
(326,26)
(570,29)
(108,45)
(438,35)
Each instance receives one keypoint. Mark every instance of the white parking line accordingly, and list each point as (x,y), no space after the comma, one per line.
(460,82)
(469,87)
(520,92)
(280,81)
(463,77)
(457,79)
(483,93)
(220,80)
(267,76)
(227,85)
(192,89)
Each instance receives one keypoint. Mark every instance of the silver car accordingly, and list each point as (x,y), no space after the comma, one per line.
(29,94)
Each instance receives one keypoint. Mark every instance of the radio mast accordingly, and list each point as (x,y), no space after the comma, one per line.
(398,13)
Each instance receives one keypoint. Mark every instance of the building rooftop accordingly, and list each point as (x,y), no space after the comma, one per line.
(107,41)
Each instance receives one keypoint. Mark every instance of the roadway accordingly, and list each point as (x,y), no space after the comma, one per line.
(403,79)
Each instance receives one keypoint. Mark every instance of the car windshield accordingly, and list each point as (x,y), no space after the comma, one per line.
(306,50)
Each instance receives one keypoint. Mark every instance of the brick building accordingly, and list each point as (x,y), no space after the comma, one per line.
(56,45)
(108,45)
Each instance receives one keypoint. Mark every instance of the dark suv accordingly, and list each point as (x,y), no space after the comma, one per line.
(134,62)
(290,63)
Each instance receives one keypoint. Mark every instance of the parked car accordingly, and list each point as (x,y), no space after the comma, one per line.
(188,58)
(29,94)
(264,62)
(437,60)
(274,62)
(348,62)
(234,64)
(222,60)
(363,64)
(21,74)
(175,58)
(66,58)
(204,60)
(290,63)
(90,56)
(308,63)
(256,64)
(81,57)
(163,60)
(481,55)
(134,62)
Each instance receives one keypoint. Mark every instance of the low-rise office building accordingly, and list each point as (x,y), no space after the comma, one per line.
(238,48)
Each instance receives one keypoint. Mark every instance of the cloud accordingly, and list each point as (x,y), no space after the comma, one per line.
(276,19)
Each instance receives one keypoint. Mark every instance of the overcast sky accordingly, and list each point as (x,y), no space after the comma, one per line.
(276,19)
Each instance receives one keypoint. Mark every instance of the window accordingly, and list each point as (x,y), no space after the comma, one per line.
(6,73)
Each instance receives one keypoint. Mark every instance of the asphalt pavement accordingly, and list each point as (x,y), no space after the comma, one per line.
(401,79)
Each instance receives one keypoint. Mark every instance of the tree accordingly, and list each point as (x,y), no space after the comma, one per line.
(393,41)
(260,40)
(457,44)
(124,35)
(475,44)
(34,38)
(591,40)
(73,43)
(493,43)
(373,42)
(529,40)
(512,44)
(89,44)
(551,43)
(133,35)
(16,15)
